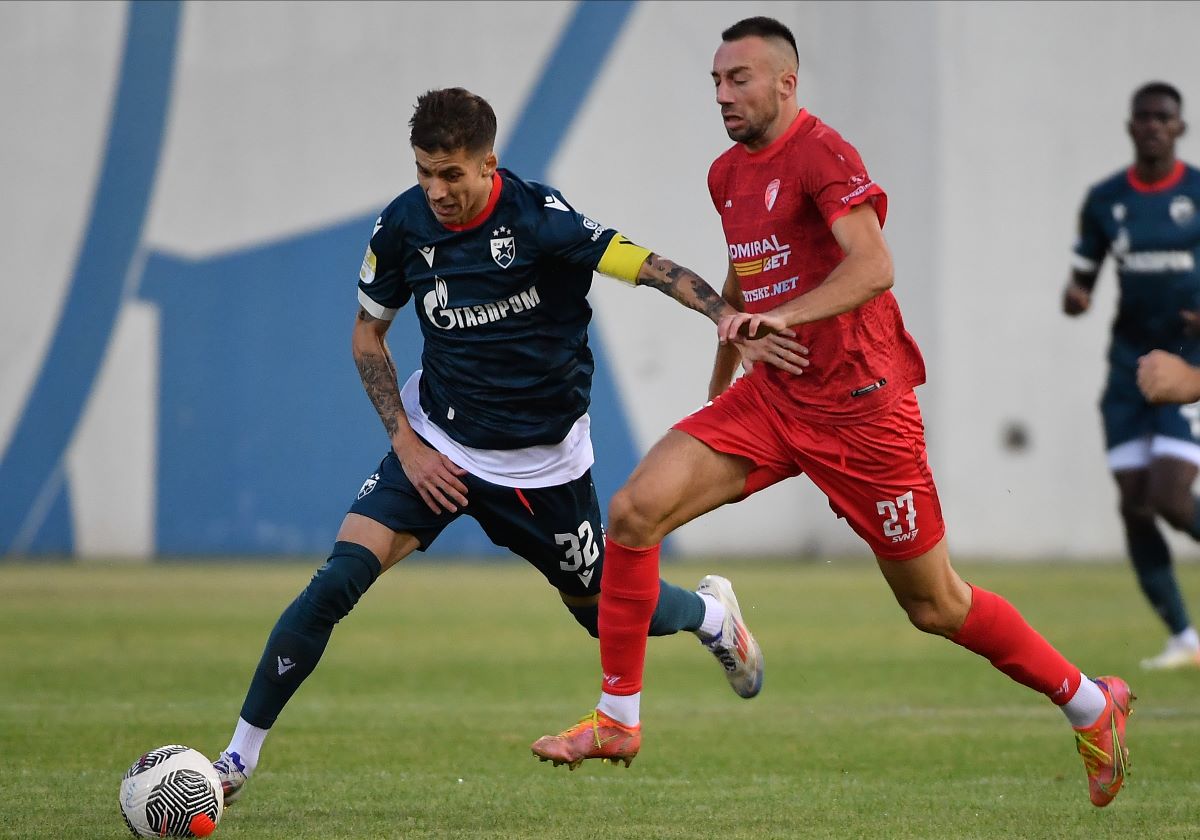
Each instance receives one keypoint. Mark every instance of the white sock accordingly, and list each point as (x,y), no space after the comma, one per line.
(1187,639)
(623,708)
(714,616)
(1086,705)
(246,742)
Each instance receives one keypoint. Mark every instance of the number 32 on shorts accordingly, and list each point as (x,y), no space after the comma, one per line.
(581,552)
(899,517)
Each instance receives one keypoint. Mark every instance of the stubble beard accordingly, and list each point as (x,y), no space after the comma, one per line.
(753,131)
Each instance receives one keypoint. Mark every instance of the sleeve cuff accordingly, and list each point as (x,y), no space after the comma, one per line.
(1082,263)
(375,310)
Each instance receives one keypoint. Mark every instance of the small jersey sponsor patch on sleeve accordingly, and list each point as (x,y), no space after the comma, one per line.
(366,274)
(860,184)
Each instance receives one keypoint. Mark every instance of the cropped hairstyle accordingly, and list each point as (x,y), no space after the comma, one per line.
(450,119)
(1157,89)
(762,27)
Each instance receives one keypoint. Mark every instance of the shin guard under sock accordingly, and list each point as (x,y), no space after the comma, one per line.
(629,590)
(302,631)
(996,631)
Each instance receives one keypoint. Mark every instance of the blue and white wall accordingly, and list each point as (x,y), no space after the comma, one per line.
(186,190)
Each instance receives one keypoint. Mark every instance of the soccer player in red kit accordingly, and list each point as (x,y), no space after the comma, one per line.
(803,222)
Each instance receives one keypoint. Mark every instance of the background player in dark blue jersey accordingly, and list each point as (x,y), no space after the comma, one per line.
(495,423)
(1145,218)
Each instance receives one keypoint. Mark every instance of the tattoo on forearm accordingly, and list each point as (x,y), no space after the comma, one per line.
(682,284)
(379,378)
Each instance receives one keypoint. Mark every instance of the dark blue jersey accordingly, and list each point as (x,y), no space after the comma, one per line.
(503,308)
(1152,232)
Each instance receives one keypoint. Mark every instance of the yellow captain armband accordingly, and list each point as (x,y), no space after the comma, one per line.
(622,259)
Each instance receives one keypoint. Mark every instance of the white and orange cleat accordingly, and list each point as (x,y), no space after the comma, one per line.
(734,647)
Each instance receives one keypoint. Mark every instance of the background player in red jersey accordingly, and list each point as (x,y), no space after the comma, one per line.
(803,219)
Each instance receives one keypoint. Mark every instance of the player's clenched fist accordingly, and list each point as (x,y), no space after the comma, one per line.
(1166,378)
(1076,299)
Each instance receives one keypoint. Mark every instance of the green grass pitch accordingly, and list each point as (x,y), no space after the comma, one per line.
(419,720)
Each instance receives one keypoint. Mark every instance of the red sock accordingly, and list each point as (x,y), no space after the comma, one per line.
(628,593)
(996,631)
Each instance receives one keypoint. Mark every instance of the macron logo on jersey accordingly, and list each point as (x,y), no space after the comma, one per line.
(552,203)
(446,317)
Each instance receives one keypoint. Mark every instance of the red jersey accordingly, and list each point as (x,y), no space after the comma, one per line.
(777,206)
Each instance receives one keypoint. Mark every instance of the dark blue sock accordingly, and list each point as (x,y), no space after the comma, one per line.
(299,637)
(1152,563)
(677,609)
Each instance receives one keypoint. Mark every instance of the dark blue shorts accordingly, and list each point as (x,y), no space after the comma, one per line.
(557,529)
(1129,417)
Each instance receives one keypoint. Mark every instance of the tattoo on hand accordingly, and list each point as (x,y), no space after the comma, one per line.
(684,285)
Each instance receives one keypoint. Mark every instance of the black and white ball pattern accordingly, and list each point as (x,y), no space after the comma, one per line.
(167,789)
(154,758)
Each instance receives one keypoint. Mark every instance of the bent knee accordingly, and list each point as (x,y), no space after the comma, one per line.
(938,619)
(634,519)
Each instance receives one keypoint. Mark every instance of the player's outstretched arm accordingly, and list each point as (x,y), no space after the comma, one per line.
(434,475)
(692,291)
(684,285)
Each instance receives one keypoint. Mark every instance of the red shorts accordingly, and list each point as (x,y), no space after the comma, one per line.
(874,473)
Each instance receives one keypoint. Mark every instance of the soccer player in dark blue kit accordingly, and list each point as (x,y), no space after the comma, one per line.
(1145,218)
(495,423)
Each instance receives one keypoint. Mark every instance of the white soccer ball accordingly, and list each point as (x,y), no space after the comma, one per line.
(172,791)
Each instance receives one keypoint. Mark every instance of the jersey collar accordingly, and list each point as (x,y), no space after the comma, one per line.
(1175,176)
(497,185)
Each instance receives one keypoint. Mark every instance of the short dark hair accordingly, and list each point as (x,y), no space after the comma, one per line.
(450,119)
(763,27)
(1157,89)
